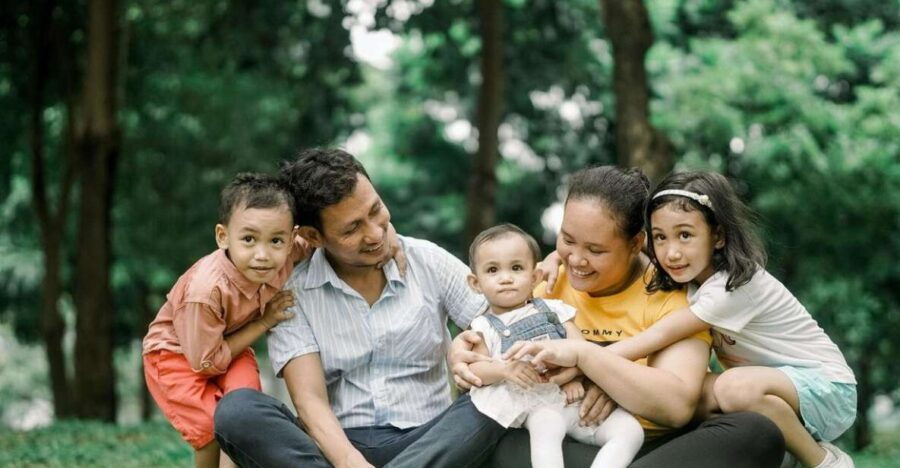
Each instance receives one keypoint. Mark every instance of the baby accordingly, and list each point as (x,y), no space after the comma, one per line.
(503,260)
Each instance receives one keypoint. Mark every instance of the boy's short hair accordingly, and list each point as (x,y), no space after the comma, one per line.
(253,190)
(503,230)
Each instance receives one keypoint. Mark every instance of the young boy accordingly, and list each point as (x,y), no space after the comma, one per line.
(503,260)
(198,347)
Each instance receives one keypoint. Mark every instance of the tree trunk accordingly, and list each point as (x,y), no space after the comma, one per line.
(98,147)
(638,143)
(862,437)
(481,196)
(50,224)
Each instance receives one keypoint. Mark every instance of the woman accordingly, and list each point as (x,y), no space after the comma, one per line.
(603,276)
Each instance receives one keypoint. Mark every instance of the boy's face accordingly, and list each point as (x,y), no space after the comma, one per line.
(258,240)
(504,272)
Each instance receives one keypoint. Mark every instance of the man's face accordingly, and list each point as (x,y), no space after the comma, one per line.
(354,231)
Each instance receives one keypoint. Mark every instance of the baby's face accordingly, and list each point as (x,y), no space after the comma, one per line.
(504,272)
(258,241)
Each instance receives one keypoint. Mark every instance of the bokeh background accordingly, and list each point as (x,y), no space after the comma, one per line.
(120,120)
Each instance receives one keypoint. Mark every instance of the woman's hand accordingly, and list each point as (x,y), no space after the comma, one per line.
(546,353)
(461,355)
(522,374)
(395,251)
(549,269)
(596,406)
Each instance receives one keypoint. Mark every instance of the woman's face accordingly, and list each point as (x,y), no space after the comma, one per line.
(598,259)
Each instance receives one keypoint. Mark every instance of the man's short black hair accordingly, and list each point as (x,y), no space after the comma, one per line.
(319,178)
(499,231)
(253,190)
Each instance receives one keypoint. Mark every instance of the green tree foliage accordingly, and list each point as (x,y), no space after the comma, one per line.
(817,155)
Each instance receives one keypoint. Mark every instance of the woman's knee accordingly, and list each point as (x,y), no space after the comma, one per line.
(759,436)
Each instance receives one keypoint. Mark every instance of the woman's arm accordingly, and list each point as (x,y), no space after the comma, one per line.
(674,327)
(665,391)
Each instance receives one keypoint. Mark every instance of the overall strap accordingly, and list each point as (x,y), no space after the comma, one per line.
(542,306)
(498,325)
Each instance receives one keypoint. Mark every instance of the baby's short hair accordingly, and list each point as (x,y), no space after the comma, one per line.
(253,190)
(503,230)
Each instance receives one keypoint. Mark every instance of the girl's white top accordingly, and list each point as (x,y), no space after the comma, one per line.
(762,324)
(505,402)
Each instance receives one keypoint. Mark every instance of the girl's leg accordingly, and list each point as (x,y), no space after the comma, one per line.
(546,429)
(771,393)
(620,437)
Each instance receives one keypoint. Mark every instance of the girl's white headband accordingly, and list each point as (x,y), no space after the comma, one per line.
(701,199)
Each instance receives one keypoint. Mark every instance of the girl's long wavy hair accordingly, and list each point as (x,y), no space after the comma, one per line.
(743,254)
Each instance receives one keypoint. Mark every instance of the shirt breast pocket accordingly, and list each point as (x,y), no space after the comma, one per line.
(418,333)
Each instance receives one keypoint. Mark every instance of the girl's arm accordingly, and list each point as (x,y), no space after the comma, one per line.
(672,328)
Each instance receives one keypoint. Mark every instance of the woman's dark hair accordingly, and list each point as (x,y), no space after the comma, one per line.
(622,191)
(743,253)
(253,190)
(319,178)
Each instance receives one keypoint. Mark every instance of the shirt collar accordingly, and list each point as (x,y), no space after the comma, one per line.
(321,272)
(248,288)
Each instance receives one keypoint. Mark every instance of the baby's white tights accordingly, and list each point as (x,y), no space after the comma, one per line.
(620,436)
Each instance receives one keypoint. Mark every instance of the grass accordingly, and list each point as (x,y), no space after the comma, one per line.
(93,444)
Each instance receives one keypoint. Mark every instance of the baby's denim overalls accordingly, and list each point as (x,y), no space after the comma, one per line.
(545,323)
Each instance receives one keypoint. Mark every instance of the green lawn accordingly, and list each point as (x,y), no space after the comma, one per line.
(79,444)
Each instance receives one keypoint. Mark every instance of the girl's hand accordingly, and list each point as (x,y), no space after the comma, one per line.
(461,355)
(574,391)
(275,311)
(522,374)
(395,251)
(547,353)
(549,269)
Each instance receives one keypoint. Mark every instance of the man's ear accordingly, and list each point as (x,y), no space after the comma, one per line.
(473,283)
(312,235)
(221,236)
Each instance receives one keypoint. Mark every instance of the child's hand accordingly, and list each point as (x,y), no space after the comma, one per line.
(522,374)
(574,391)
(276,309)
(549,269)
(300,249)
(395,250)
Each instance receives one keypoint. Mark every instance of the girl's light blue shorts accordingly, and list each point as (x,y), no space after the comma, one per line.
(827,408)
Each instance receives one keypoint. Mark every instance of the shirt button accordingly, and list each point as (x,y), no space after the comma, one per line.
(506,333)
(206,364)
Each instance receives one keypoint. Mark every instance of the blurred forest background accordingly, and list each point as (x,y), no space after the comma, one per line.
(120,120)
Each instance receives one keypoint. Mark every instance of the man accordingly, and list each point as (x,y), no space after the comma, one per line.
(364,356)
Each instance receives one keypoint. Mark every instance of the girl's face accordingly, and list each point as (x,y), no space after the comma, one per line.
(598,259)
(684,243)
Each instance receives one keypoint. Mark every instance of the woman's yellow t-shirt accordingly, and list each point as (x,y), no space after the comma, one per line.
(605,320)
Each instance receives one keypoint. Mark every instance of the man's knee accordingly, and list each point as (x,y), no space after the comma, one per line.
(232,411)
